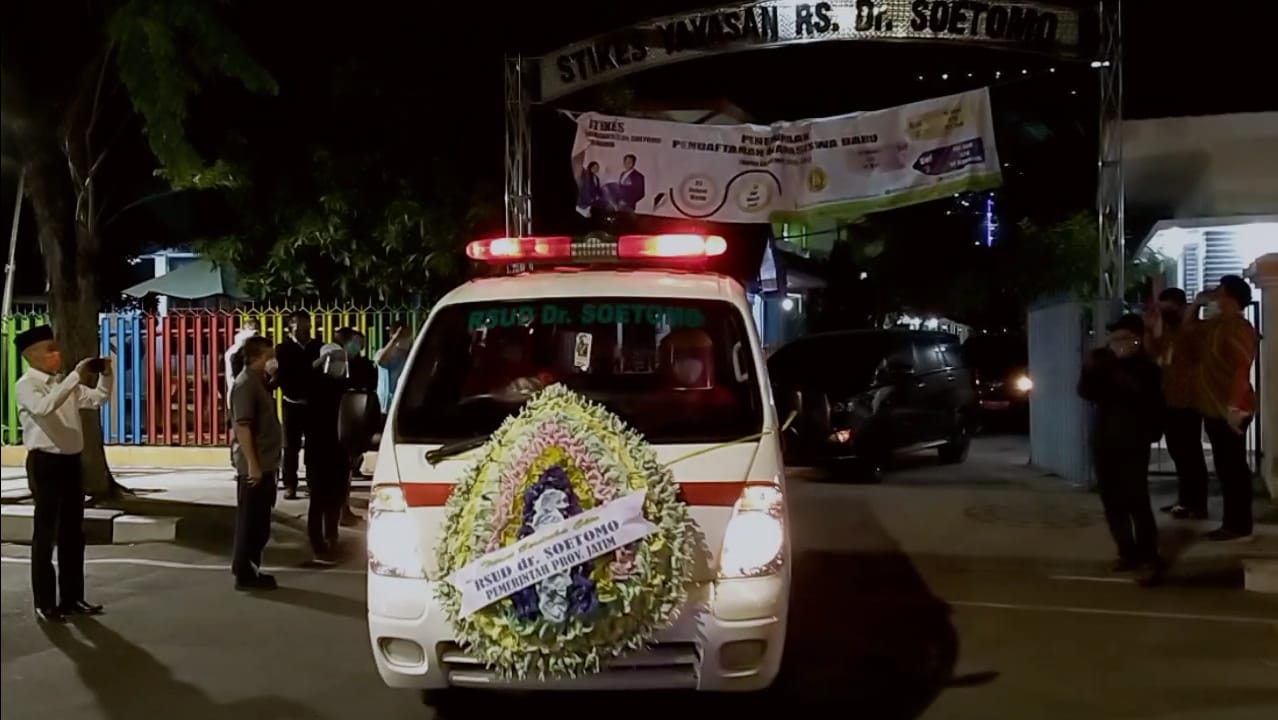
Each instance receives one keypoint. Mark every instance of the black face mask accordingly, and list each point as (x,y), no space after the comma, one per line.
(1172,318)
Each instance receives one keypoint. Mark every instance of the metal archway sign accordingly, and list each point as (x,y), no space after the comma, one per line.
(1025,26)
(1021,26)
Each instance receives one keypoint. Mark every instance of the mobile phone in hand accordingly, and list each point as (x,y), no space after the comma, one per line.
(96,365)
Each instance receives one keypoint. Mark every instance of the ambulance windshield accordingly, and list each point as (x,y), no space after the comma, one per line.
(677,371)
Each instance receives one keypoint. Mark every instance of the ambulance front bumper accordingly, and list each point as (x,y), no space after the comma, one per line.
(729,637)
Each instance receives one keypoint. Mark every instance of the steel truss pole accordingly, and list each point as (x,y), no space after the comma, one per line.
(518,150)
(1109,180)
(11,266)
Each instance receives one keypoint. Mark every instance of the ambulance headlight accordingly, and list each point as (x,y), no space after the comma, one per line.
(754,542)
(393,550)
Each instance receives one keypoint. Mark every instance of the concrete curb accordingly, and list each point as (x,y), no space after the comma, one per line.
(102,526)
(1260,574)
(125,456)
(133,519)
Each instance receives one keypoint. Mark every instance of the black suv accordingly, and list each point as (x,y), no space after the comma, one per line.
(861,396)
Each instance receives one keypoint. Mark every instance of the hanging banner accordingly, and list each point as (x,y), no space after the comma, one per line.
(1026,25)
(843,166)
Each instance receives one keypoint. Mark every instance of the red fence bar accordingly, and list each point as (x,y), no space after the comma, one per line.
(198,379)
(183,400)
(149,357)
(215,375)
(166,399)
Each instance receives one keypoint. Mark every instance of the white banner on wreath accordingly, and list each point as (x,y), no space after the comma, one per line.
(845,166)
(550,551)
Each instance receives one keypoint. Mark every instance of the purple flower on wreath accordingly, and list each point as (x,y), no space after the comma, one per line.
(582,598)
(526,602)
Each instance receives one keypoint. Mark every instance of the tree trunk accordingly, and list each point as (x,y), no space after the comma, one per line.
(70,259)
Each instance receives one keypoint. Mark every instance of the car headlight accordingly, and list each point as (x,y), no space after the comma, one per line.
(1024,384)
(754,541)
(393,550)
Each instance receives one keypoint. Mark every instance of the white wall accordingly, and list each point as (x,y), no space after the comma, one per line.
(1209,165)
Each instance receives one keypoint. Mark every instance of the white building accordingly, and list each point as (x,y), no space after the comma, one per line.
(1211,186)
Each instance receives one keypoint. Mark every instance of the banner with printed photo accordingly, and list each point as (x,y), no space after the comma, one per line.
(843,166)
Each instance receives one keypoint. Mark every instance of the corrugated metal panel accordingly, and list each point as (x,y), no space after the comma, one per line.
(1220,256)
(1058,417)
(1193,269)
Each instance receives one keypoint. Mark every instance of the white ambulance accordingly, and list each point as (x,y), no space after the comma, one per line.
(675,354)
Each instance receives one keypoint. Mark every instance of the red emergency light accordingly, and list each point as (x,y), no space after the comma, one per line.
(668,247)
(521,249)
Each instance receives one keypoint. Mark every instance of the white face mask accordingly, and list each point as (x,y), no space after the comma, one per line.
(272,365)
(687,372)
(1211,309)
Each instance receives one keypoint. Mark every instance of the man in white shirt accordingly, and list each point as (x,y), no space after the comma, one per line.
(49,411)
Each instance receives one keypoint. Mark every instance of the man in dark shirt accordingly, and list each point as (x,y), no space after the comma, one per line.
(361,376)
(255,452)
(1125,385)
(298,357)
(327,463)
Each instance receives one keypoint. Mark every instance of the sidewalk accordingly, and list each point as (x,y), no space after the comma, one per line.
(202,499)
(996,511)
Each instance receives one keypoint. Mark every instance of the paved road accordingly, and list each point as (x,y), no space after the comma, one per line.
(877,632)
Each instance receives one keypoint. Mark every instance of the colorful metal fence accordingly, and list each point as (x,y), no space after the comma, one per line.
(170,379)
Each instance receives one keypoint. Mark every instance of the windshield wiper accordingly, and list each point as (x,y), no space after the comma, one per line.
(455,448)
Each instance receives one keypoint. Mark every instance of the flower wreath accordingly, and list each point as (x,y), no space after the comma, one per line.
(560,456)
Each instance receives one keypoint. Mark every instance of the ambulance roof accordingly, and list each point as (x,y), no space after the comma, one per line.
(573,283)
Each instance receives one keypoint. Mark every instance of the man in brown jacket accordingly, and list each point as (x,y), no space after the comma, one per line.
(1177,355)
(1225,398)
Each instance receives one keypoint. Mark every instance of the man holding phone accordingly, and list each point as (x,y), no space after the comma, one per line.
(1228,344)
(390,362)
(49,411)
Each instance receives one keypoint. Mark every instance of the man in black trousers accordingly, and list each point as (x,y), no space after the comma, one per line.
(298,358)
(361,376)
(1125,385)
(255,452)
(49,411)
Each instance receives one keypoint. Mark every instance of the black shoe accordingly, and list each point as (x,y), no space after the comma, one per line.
(350,519)
(1226,535)
(80,607)
(261,582)
(1170,509)
(50,615)
(1122,565)
(290,494)
(1184,513)
(326,558)
(1151,574)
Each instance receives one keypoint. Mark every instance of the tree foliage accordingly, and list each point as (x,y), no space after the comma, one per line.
(1063,257)
(929,263)
(166,53)
(363,236)
(367,180)
(76,79)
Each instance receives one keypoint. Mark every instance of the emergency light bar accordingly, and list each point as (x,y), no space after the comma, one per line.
(561,248)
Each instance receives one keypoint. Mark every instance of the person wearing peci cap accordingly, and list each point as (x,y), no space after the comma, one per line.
(1124,383)
(1227,344)
(49,411)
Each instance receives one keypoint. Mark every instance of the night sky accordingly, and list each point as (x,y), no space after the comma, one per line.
(442,96)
